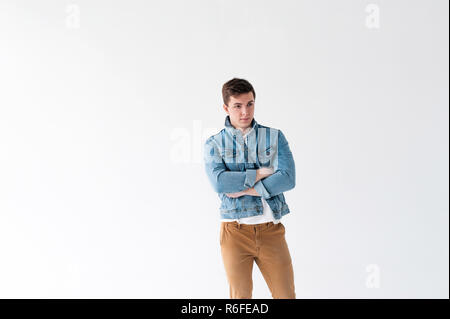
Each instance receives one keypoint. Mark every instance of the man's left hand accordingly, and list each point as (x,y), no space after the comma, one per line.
(237,194)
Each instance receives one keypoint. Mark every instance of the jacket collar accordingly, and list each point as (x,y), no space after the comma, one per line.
(235,131)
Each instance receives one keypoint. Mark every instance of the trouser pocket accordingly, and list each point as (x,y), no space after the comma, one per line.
(222,231)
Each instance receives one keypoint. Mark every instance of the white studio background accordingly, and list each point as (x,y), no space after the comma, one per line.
(105,105)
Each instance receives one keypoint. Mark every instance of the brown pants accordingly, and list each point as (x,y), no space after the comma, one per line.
(265,243)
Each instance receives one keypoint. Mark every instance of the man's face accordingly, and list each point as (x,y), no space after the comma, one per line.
(240,109)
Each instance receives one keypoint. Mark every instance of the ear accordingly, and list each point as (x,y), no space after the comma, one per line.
(226,109)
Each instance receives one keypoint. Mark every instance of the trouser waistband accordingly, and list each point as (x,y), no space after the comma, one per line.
(248,226)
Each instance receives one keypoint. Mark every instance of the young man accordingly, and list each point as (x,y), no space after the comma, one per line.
(250,165)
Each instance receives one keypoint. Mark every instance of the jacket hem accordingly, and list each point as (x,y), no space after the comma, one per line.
(239,213)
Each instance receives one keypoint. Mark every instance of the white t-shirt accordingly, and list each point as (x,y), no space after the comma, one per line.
(266,217)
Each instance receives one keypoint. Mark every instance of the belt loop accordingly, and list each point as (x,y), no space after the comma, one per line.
(239,224)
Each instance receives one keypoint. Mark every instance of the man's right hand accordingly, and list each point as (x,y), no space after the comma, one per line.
(263,172)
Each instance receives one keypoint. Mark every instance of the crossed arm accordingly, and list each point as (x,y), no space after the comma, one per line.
(262,182)
(261,173)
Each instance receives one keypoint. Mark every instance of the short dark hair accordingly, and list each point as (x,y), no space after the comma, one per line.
(236,87)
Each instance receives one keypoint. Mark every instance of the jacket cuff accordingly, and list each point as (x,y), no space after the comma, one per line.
(250,178)
(259,187)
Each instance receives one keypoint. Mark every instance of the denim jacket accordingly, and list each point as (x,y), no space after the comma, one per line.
(231,166)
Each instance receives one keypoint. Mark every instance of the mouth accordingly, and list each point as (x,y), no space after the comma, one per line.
(245,119)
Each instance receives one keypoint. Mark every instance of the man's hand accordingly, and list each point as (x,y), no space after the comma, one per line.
(248,191)
(251,192)
(263,172)
(237,194)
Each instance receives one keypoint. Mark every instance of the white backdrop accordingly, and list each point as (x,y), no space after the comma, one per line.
(104,107)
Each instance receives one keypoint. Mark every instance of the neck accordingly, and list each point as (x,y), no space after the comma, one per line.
(242,129)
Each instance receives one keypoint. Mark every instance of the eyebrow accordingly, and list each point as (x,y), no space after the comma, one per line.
(239,103)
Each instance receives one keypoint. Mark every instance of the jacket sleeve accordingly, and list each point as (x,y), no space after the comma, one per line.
(283,179)
(222,179)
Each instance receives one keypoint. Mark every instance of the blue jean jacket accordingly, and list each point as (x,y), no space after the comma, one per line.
(231,166)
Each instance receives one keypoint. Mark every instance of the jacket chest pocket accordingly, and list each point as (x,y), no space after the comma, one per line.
(227,154)
(266,156)
(229,158)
